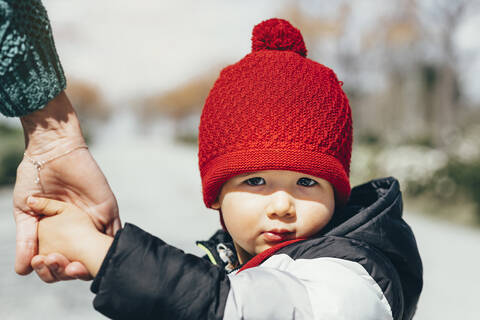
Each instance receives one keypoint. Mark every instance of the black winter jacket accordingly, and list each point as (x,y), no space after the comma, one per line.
(363,265)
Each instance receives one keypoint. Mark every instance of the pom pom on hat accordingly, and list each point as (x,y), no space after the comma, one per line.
(278,34)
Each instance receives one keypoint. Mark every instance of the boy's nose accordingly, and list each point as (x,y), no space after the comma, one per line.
(281,205)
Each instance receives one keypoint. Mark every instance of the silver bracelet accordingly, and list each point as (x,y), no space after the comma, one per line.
(38,164)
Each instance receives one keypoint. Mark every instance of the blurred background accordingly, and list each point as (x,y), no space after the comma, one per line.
(139,72)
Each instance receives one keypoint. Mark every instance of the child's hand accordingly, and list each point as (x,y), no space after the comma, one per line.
(66,229)
(62,227)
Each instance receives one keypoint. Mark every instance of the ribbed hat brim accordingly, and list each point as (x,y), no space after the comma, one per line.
(321,165)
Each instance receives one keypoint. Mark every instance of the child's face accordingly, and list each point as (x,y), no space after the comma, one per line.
(264,208)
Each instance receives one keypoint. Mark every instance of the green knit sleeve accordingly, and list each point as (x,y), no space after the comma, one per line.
(30,72)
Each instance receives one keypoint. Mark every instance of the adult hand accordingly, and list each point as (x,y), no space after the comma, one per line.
(74,177)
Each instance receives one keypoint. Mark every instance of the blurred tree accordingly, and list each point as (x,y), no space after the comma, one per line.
(90,105)
(448,15)
(312,27)
(403,78)
(181,103)
(422,69)
(87,100)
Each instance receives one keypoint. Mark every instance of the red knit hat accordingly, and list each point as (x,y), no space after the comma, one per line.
(275,110)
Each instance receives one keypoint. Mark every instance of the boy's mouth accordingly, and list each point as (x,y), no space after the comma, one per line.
(277,235)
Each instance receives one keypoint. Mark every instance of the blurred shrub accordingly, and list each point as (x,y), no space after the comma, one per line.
(460,179)
(444,184)
(187,138)
(368,138)
(453,192)
(412,165)
(11,153)
(8,166)
(421,140)
(6,130)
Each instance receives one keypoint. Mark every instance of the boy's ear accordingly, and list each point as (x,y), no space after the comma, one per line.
(216,204)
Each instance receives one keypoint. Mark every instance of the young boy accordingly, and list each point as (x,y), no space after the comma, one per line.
(274,154)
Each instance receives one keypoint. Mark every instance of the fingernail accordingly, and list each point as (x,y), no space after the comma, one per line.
(31,200)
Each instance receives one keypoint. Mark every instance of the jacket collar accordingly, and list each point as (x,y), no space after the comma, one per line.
(373,215)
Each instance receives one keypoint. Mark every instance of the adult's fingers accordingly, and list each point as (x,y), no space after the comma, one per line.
(57,265)
(46,206)
(38,264)
(26,242)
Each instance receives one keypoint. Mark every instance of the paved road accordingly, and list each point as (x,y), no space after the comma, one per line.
(158,188)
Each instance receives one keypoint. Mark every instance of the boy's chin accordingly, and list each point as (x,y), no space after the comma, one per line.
(264,247)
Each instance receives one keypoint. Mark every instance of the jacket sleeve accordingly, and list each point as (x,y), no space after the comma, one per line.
(30,71)
(321,288)
(142,277)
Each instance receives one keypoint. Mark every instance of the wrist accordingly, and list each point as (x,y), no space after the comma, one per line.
(92,252)
(53,129)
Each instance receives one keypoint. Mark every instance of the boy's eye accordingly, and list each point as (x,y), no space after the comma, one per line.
(257,181)
(306,182)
